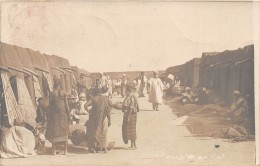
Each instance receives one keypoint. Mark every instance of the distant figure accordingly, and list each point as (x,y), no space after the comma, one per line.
(239,107)
(177,83)
(99,121)
(171,77)
(123,85)
(142,89)
(117,87)
(130,108)
(156,91)
(203,95)
(170,85)
(58,117)
(81,84)
(137,82)
(103,80)
(110,87)
(188,97)
(171,81)
(148,87)
(166,86)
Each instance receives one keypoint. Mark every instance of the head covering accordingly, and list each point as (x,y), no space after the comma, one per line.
(82,95)
(155,73)
(236,92)
(124,75)
(187,88)
(170,76)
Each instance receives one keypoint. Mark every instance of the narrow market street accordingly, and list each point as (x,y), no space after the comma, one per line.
(162,139)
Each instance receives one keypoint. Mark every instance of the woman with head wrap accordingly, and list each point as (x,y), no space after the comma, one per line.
(130,108)
(58,117)
(99,120)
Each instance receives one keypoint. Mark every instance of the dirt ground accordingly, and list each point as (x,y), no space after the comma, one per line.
(207,120)
(162,139)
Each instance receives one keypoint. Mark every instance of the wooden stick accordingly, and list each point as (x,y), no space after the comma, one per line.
(37,68)
(30,71)
(4,69)
(58,69)
(18,70)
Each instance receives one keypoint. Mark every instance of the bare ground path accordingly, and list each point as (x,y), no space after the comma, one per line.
(161,140)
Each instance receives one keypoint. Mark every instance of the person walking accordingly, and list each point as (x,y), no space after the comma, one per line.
(130,108)
(156,91)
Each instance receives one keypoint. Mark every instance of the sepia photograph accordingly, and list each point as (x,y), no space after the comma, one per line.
(135,83)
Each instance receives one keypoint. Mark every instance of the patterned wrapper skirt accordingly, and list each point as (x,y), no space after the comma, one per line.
(129,128)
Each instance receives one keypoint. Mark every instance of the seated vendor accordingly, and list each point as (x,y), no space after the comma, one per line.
(188,97)
(79,109)
(239,108)
(18,141)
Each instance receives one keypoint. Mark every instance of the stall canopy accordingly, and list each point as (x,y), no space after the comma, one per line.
(41,67)
(228,71)
(27,75)
(56,70)
(26,109)
(68,74)
(188,73)
(31,80)
(10,58)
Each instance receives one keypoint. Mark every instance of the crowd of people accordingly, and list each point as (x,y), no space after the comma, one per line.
(59,110)
(97,106)
(239,108)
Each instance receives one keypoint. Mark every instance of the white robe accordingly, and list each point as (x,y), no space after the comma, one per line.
(156,90)
(18,142)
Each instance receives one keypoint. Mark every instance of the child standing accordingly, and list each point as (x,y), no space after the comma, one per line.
(130,109)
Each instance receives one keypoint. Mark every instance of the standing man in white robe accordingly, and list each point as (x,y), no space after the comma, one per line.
(156,91)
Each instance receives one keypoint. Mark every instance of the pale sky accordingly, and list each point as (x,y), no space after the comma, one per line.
(123,36)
